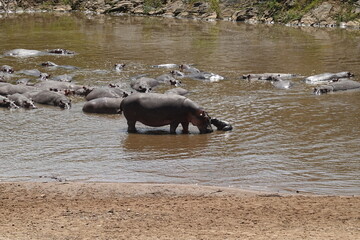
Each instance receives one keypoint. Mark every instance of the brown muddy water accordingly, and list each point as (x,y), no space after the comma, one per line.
(283,140)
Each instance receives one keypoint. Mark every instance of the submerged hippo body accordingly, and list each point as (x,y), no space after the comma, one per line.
(269,76)
(50,98)
(23,53)
(155,110)
(327,77)
(221,125)
(144,84)
(343,85)
(101,92)
(22,101)
(103,105)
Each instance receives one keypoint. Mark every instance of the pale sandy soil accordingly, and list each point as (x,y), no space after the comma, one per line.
(58,210)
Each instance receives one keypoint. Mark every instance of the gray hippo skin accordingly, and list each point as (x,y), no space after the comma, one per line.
(6,69)
(269,76)
(221,125)
(50,98)
(155,110)
(327,77)
(7,103)
(103,105)
(9,89)
(112,92)
(144,84)
(23,53)
(54,65)
(342,85)
(178,91)
(22,101)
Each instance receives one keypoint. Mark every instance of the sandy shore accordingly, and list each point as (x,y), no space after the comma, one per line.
(56,210)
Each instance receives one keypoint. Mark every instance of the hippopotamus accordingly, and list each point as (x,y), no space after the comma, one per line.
(168,79)
(6,69)
(221,125)
(269,76)
(61,51)
(103,105)
(63,78)
(328,77)
(65,87)
(196,74)
(341,85)
(35,73)
(155,110)
(112,92)
(166,65)
(7,103)
(54,65)
(22,101)
(48,97)
(144,84)
(189,69)
(178,91)
(282,84)
(9,89)
(23,53)
(119,66)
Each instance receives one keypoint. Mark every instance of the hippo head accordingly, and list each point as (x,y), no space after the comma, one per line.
(203,121)
(221,125)
(322,90)
(48,64)
(29,105)
(9,104)
(65,104)
(119,66)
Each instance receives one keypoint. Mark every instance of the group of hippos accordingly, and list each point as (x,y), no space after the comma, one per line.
(152,109)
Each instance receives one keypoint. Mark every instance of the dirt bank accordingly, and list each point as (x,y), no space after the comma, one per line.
(318,13)
(153,211)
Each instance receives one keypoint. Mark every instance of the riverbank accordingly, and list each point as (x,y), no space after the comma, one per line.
(67,210)
(316,13)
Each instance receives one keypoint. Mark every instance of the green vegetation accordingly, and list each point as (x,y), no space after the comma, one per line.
(150,5)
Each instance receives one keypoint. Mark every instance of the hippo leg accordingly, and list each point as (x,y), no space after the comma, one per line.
(185,126)
(131,126)
(173,127)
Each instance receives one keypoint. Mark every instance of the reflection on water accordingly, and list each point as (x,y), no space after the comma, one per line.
(283,140)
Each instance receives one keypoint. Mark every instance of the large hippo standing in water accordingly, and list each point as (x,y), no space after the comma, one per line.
(155,110)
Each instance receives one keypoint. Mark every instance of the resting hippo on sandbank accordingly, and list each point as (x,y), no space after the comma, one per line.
(328,77)
(221,125)
(342,85)
(103,105)
(269,76)
(100,92)
(54,65)
(155,110)
(22,101)
(6,69)
(178,91)
(7,103)
(50,98)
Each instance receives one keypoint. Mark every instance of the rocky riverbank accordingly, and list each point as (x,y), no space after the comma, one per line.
(317,13)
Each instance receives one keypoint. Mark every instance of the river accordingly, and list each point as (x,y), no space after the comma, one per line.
(282,141)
